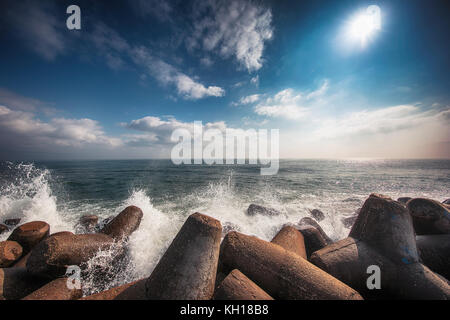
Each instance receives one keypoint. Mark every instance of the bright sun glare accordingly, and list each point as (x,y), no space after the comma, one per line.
(364,25)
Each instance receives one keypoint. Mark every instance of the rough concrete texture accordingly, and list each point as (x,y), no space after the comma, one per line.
(55,290)
(236,286)
(188,268)
(124,224)
(292,240)
(282,274)
(386,225)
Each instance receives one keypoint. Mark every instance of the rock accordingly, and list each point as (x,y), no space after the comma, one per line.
(434,252)
(380,196)
(55,290)
(228,227)
(12,222)
(188,268)
(236,286)
(313,239)
(130,291)
(404,200)
(348,260)
(30,234)
(61,233)
(10,252)
(124,224)
(89,222)
(257,209)
(317,214)
(23,260)
(446,201)
(3,228)
(386,225)
(16,283)
(307,221)
(429,216)
(292,240)
(279,272)
(51,257)
(349,221)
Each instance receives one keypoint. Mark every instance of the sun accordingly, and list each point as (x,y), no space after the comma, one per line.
(364,25)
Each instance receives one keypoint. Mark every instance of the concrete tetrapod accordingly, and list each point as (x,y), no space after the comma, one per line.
(434,251)
(130,291)
(55,290)
(16,283)
(279,272)
(188,268)
(349,259)
(30,234)
(52,256)
(292,240)
(382,236)
(429,216)
(10,252)
(236,286)
(124,224)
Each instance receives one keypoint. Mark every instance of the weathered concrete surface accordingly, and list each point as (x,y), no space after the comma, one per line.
(130,291)
(317,214)
(404,200)
(386,225)
(10,252)
(30,234)
(282,274)
(312,238)
(3,228)
(124,224)
(236,286)
(188,268)
(292,240)
(89,222)
(254,209)
(429,216)
(307,221)
(52,256)
(55,290)
(434,251)
(23,260)
(16,283)
(349,259)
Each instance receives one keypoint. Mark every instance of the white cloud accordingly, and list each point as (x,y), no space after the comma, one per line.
(37,24)
(167,74)
(291,104)
(247,100)
(233,28)
(379,121)
(319,92)
(117,50)
(285,104)
(255,80)
(17,101)
(158,131)
(24,127)
(162,10)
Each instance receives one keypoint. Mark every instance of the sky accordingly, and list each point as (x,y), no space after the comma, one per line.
(137,70)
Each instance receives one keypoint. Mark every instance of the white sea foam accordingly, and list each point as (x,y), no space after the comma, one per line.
(29,197)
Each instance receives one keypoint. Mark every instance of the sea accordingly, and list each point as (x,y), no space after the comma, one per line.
(60,192)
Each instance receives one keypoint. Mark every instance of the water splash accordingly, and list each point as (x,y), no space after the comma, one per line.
(26,194)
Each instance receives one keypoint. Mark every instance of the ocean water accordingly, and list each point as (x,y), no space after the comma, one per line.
(61,192)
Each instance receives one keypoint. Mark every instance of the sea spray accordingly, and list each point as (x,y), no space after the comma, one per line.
(25,193)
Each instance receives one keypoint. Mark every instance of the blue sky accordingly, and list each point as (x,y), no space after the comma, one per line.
(137,70)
